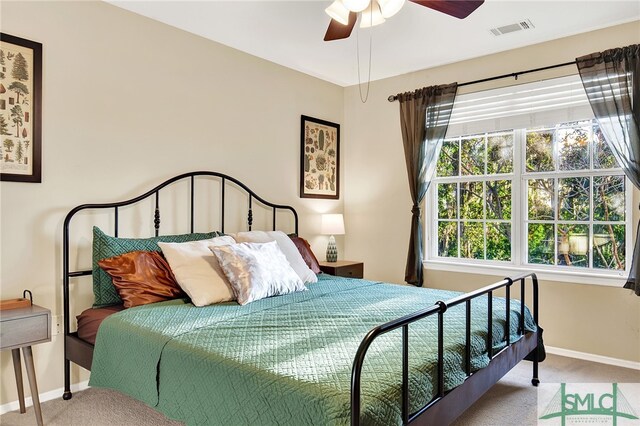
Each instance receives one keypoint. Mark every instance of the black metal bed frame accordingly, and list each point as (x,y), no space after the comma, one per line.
(442,409)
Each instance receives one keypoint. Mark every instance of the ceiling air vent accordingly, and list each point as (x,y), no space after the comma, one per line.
(511,28)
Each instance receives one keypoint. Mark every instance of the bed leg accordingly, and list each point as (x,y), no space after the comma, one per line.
(535,381)
(67,380)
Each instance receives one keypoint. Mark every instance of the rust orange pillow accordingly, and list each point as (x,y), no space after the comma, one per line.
(305,251)
(141,277)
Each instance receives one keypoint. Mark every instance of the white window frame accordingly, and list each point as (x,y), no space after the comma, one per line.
(519,177)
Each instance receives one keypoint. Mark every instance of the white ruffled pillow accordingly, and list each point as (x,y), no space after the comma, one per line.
(257,270)
(286,245)
(197,270)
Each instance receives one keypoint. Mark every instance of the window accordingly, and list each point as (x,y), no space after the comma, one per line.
(474,193)
(549,197)
(575,199)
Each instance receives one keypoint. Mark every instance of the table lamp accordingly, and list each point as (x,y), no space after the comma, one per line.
(332,224)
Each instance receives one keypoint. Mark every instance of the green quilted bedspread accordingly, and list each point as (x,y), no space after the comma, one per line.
(287,360)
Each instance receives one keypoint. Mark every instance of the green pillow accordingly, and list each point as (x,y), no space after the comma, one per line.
(105,247)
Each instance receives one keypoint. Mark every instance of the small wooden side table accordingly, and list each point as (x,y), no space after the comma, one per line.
(343,268)
(22,328)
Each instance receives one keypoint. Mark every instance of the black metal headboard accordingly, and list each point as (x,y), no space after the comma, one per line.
(155,192)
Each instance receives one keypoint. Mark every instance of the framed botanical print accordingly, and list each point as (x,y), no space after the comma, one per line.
(20,109)
(320,158)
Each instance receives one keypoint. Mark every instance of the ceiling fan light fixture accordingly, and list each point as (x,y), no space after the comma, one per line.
(371,16)
(338,11)
(388,8)
(356,5)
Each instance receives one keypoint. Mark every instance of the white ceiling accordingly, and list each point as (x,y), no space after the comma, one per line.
(290,33)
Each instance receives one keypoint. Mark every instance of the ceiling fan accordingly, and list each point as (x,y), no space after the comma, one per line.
(344,13)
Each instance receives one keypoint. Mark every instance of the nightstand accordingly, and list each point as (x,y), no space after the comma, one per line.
(22,328)
(343,268)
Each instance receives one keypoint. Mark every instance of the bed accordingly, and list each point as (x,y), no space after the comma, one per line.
(346,351)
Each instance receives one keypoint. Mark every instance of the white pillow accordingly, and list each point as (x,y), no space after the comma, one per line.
(286,245)
(257,270)
(197,270)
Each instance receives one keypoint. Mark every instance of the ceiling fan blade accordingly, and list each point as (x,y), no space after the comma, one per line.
(458,8)
(337,31)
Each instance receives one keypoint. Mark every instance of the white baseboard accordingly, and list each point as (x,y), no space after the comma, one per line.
(592,357)
(47,396)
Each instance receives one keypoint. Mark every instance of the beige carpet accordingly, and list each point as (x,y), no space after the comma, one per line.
(510,402)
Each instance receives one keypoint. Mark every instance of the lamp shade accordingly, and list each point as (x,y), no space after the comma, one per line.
(388,8)
(371,16)
(332,224)
(356,5)
(338,12)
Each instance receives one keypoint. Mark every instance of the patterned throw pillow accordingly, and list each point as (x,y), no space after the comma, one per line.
(257,270)
(105,247)
(287,247)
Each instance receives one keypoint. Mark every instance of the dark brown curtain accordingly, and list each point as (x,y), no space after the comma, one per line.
(424,119)
(612,82)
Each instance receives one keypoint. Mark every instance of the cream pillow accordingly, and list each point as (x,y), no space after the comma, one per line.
(197,270)
(257,270)
(286,245)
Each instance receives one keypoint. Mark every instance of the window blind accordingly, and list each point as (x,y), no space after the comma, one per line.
(529,105)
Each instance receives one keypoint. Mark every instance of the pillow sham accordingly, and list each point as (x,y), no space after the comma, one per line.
(105,247)
(141,277)
(307,254)
(197,270)
(286,246)
(257,270)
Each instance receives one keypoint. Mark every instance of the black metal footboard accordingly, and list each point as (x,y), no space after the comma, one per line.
(477,382)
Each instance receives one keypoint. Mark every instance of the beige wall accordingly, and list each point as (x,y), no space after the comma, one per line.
(585,318)
(127,103)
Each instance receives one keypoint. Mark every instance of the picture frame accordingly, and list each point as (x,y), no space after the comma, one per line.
(20,109)
(319,158)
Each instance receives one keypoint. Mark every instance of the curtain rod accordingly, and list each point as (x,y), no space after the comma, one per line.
(498,77)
